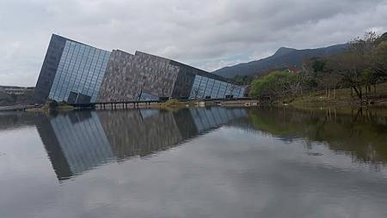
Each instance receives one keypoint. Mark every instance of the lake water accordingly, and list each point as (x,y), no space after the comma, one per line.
(203,162)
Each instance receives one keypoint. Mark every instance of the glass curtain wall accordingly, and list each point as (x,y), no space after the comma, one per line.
(204,87)
(80,73)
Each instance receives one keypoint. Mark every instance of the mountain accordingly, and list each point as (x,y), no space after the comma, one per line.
(283,58)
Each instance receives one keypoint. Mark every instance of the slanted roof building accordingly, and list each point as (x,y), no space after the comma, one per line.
(79,74)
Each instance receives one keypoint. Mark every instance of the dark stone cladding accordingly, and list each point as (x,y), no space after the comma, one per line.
(118,77)
(127,76)
(157,74)
(49,68)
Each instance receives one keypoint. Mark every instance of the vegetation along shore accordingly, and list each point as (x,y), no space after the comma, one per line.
(355,77)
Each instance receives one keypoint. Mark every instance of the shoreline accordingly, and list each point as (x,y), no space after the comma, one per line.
(171,104)
(175,105)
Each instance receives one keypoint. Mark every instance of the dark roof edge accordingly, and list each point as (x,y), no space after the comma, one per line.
(67,39)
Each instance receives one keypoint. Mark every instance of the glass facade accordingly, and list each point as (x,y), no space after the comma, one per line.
(148,97)
(80,73)
(204,87)
(206,119)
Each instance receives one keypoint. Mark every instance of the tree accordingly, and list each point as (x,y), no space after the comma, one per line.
(355,66)
(379,59)
(275,85)
(317,74)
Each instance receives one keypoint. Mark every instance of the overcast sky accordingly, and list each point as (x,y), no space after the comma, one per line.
(207,34)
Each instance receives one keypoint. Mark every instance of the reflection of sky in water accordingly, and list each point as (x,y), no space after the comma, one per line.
(233,171)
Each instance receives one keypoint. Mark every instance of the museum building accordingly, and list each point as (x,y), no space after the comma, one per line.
(77,73)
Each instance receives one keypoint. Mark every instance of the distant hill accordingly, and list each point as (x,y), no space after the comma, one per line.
(283,58)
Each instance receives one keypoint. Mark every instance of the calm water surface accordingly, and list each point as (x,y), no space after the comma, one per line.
(212,162)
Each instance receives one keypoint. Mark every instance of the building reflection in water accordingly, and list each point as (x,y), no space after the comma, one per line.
(77,142)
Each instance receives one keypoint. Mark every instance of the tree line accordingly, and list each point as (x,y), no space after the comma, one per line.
(361,67)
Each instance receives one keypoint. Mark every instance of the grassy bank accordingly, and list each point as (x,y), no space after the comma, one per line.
(340,98)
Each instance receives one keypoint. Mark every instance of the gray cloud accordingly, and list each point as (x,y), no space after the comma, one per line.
(206,34)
